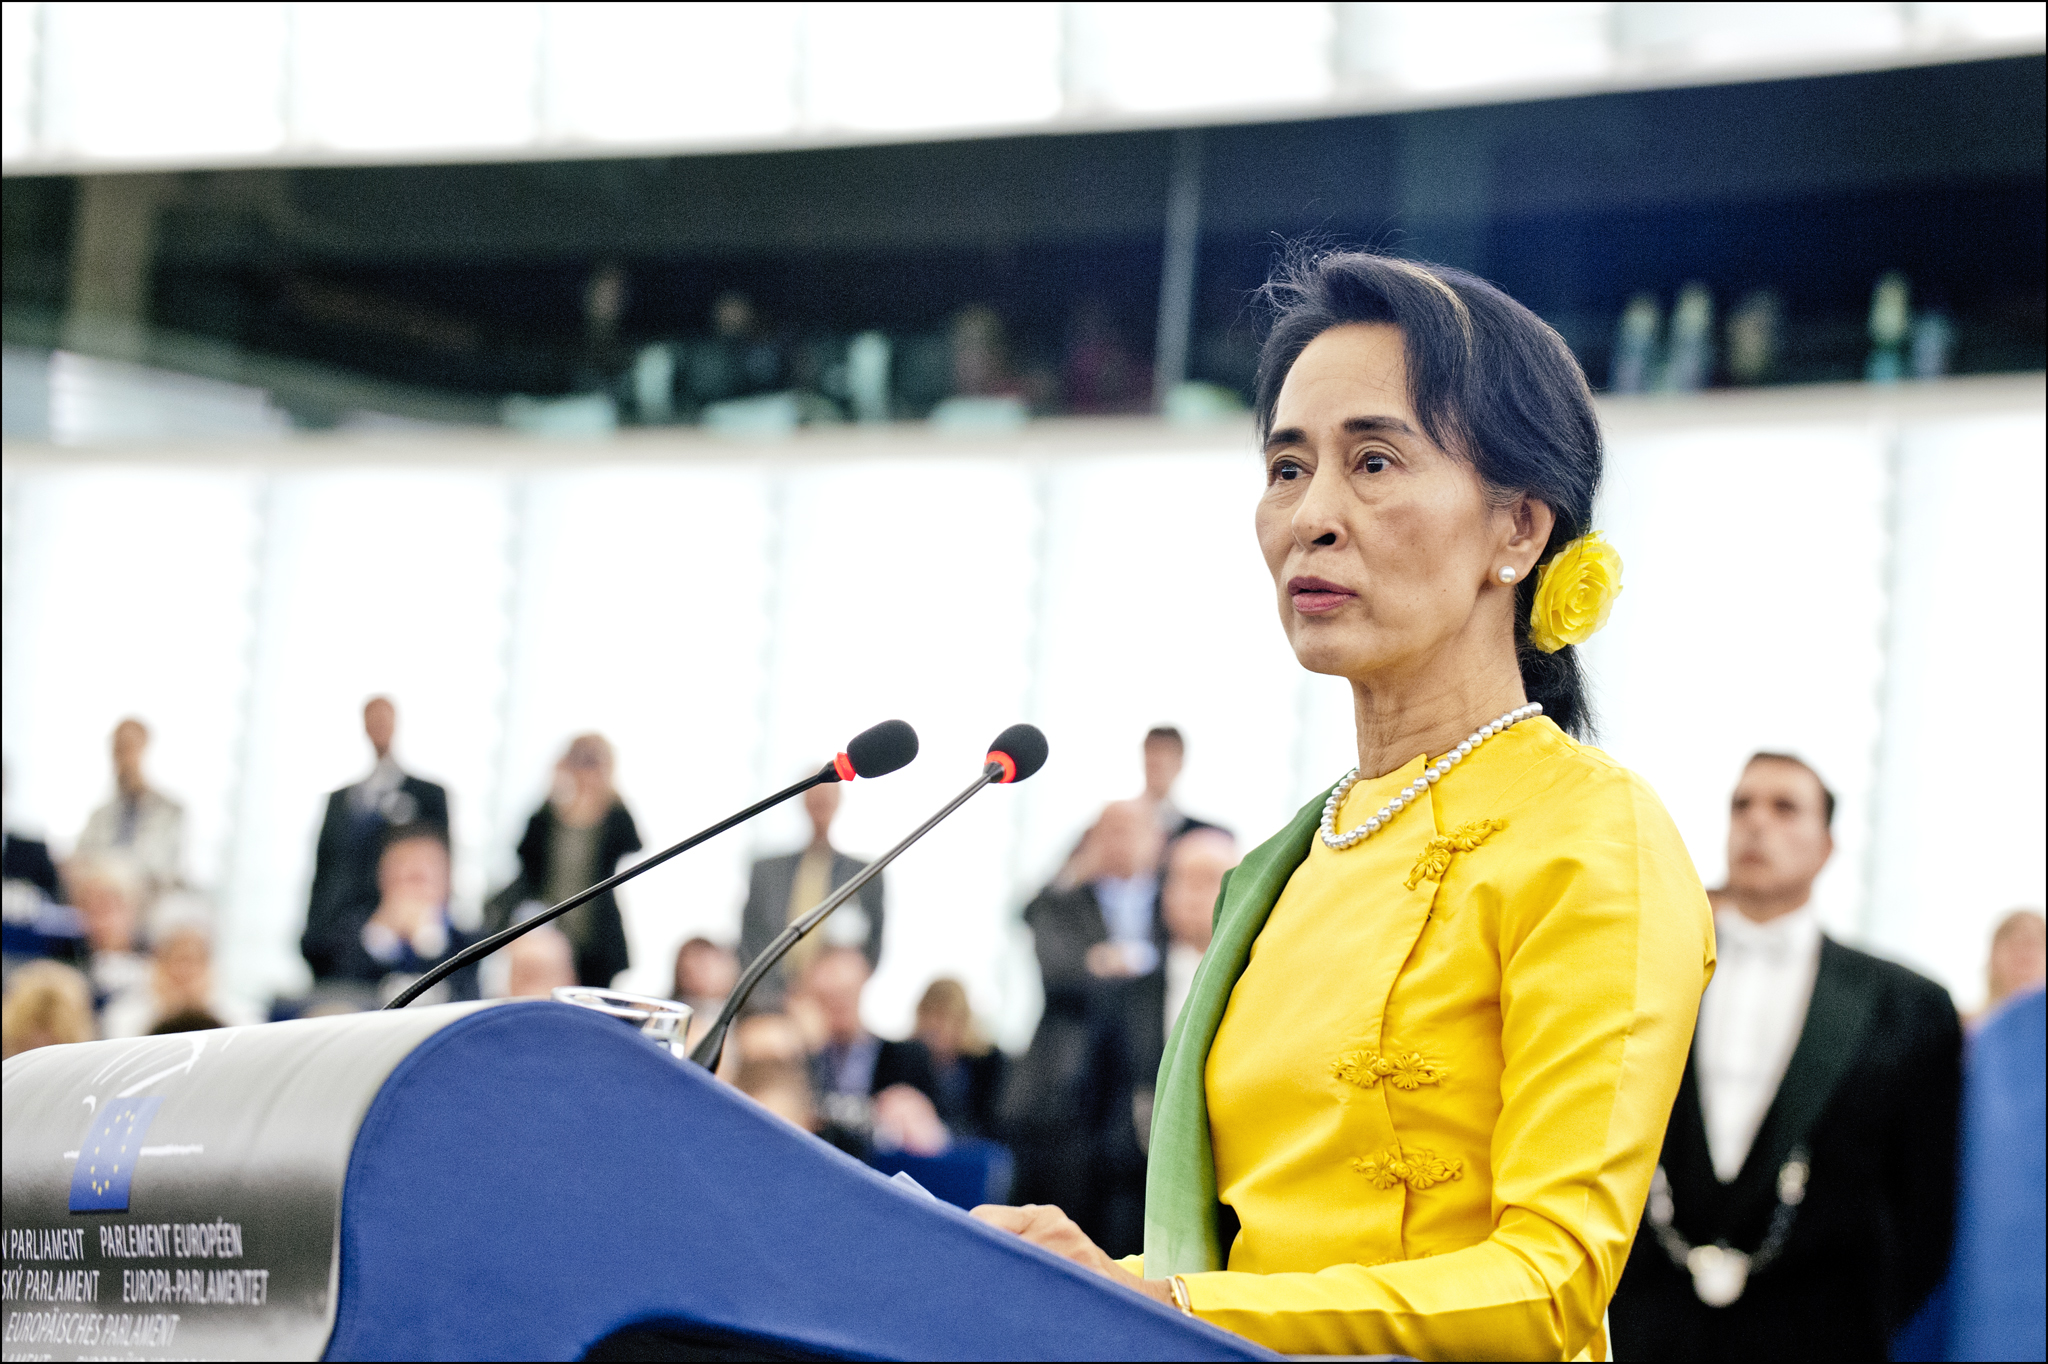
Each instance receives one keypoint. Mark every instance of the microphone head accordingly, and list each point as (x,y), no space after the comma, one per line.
(1019,750)
(878,751)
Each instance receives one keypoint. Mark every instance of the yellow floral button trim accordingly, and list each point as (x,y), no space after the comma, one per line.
(1402,1070)
(1417,1168)
(1437,853)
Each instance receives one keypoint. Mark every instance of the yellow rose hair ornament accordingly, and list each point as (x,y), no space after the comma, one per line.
(1575,591)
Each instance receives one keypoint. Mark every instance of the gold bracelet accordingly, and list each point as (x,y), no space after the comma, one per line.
(1179,1287)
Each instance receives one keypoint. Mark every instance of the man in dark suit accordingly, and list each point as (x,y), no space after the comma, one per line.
(787,887)
(1067,1109)
(352,838)
(1806,1199)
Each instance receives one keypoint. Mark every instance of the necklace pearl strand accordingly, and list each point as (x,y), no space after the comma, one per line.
(1431,775)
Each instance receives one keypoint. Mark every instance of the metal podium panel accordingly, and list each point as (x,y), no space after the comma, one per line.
(180,1196)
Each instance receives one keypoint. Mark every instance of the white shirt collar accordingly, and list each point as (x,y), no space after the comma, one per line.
(1790,934)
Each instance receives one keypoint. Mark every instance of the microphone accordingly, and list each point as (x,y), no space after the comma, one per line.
(1016,753)
(874,752)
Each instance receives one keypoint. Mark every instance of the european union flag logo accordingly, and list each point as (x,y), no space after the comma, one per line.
(106,1158)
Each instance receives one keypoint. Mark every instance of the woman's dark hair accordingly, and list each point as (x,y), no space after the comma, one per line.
(1490,381)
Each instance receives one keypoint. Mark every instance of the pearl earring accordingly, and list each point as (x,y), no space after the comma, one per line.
(1507,573)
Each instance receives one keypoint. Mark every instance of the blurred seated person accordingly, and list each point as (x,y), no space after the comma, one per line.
(848,1067)
(140,822)
(109,890)
(539,963)
(408,931)
(2019,957)
(352,837)
(705,975)
(574,841)
(180,986)
(186,1020)
(47,1004)
(21,858)
(949,1060)
(785,888)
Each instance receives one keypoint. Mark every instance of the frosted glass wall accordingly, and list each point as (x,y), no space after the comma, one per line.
(1859,585)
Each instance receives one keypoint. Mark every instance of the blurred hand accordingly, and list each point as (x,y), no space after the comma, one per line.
(1047,1226)
(1113,961)
(906,1120)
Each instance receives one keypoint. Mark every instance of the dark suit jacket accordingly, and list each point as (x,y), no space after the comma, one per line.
(603,953)
(767,914)
(965,1099)
(353,962)
(28,859)
(345,867)
(1872,1090)
(1067,1107)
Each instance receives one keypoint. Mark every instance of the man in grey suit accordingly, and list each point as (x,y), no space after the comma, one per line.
(784,888)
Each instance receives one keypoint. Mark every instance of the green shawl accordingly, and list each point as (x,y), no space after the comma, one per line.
(1180,1176)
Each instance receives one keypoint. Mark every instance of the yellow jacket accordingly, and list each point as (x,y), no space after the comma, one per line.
(1439,1087)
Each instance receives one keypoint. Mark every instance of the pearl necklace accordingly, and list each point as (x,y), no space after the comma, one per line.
(1431,775)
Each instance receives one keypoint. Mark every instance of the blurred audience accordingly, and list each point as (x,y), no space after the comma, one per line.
(1068,1106)
(539,963)
(180,988)
(109,890)
(1806,1197)
(575,840)
(408,929)
(705,975)
(140,822)
(1101,373)
(352,841)
(949,1060)
(47,1004)
(844,1058)
(34,920)
(2019,957)
(783,889)
(23,859)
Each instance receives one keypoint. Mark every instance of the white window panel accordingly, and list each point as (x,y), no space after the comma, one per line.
(1156,58)
(414,77)
(375,581)
(1456,46)
(168,82)
(904,590)
(894,67)
(642,615)
(1979,23)
(1751,618)
(128,593)
(1960,829)
(20,44)
(627,73)
(1705,35)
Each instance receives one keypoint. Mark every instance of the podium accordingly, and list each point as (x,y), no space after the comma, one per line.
(517,1180)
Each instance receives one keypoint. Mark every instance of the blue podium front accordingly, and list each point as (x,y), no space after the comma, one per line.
(519,1181)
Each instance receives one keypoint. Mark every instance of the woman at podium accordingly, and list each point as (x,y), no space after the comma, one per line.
(1415,1097)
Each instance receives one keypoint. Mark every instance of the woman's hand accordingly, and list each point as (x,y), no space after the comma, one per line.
(1047,1226)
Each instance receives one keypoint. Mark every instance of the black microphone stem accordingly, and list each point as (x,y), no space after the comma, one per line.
(479,950)
(706,1052)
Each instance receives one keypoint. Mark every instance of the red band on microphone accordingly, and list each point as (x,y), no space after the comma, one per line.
(1007,763)
(843,765)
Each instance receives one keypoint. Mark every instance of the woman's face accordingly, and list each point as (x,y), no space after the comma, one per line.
(1384,547)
